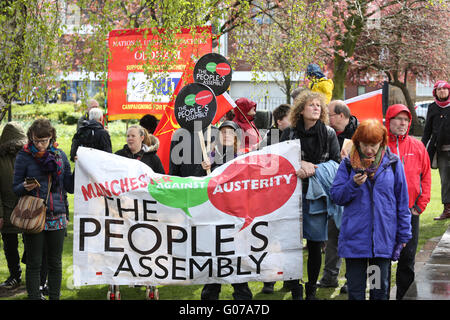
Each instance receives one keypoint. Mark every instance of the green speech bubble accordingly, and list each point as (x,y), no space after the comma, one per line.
(178,192)
(190,99)
(211,66)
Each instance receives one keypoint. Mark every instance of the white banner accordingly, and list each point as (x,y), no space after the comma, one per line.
(240,223)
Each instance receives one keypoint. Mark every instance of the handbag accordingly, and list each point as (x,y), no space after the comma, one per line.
(30,212)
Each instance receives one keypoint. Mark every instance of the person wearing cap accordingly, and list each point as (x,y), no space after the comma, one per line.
(225,150)
(436,138)
(319,82)
(416,163)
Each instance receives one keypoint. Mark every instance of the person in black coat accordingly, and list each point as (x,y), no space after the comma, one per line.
(91,134)
(136,149)
(319,144)
(436,138)
(186,153)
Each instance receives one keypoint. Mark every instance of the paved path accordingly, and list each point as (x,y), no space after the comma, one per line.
(433,278)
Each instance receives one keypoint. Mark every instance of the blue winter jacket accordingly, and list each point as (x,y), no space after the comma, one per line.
(376,215)
(26,166)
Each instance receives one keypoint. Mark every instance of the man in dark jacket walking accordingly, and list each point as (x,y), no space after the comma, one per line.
(91,134)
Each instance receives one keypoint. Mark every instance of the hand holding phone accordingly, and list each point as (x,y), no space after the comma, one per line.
(31,183)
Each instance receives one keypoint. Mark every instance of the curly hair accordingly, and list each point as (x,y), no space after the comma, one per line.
(300,102)
(41,128)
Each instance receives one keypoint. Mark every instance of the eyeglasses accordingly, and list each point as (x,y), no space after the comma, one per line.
(401,119)
(40,141)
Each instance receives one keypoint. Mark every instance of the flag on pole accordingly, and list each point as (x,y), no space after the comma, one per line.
(168,124)
(224,104)
(367,106)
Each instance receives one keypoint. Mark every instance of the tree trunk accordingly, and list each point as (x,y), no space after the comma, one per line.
(416,128)
(340,74)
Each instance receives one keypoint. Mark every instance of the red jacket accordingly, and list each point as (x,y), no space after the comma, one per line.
(415,160)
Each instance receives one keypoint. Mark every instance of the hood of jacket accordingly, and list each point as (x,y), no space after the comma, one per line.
(92,124)
(393,111)
(154,144)
(244,105)
(313,70)
(13,138)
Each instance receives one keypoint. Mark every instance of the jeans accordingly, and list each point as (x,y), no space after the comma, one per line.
(35,245)
(378,270)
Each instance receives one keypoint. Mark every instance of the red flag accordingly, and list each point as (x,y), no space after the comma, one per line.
(168,123)
(368,105)
(224,104)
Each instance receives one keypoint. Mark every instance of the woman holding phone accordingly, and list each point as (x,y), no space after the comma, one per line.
(376,223)
(40,169)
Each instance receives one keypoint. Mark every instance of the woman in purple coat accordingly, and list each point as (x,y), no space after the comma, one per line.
(371,185)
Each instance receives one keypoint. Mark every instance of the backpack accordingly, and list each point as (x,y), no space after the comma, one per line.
(85,137)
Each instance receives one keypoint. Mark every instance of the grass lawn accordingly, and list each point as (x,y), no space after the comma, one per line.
(428,229)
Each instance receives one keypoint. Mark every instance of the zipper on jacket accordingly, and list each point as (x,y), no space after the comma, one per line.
(372,215)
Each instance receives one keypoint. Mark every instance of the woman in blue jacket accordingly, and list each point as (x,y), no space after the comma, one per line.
(41,159)
(371,185)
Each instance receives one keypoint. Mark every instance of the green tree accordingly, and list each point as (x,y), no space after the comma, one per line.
(282,41)
(29,33)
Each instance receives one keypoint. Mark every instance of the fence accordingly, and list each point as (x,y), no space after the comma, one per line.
(266,103)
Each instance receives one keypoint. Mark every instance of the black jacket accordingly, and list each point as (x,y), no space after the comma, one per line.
(186,153)
(333,150)
(437,129)
(147,155)
(100,139)
(348,131)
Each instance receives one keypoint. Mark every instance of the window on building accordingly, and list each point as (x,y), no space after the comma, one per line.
(361,90)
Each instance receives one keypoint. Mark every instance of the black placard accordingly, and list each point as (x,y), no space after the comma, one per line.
(195,102)
(215,71)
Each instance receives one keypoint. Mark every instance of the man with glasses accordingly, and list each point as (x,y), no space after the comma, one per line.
(341,120)
(416,163)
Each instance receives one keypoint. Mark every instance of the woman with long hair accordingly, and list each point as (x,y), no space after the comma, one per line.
(319,144)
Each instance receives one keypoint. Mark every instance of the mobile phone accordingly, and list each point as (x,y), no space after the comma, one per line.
(30,180)
(359,170)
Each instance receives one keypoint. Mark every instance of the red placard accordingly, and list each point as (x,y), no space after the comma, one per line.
(131,93)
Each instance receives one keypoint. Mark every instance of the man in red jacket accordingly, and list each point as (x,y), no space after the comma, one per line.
(416,162)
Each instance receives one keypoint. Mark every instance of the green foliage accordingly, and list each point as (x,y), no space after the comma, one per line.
(283,40)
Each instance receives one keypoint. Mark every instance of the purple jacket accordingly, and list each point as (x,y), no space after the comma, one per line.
(376,215)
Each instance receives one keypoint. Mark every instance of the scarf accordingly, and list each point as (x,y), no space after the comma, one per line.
(313,140)
(50,160)
(370,165)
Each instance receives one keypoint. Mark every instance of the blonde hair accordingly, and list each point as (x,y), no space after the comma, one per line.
(300,102)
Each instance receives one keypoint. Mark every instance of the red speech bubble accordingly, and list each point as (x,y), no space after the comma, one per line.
(223,69)
(203,97)
(253,187)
